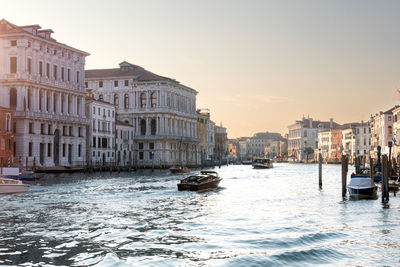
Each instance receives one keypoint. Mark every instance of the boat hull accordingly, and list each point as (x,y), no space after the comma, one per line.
(11,189)
(363,193)
(199,187)
(262,166)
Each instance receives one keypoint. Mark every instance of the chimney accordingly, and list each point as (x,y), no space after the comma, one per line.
(331,123)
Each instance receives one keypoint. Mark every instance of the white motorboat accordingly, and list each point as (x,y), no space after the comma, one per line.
(10,186)
(360,187)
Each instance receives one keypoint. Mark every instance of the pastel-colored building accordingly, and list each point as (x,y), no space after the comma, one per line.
(7,143)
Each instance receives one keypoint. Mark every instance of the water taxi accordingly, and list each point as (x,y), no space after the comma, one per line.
(206,180)
(262,163)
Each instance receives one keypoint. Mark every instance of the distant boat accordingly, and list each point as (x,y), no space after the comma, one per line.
(206,180)
(14,173)
(179,169)
(246,162)
(11,186)
(262,163)
(360,187)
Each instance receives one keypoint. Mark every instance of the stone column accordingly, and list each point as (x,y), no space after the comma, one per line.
(147,126)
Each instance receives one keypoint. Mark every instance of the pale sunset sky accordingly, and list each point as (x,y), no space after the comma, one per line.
(258,65)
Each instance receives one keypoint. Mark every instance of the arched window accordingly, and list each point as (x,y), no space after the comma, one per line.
(116,100)
(153,99)
(143,127)
(100,97)
(143,100)
(153,125)
(13,98)
(126,101)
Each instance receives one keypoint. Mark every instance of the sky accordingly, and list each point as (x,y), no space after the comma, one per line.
(257,65)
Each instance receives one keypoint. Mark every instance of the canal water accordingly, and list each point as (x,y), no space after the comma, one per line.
(272,217)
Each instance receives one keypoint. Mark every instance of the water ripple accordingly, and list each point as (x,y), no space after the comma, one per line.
(276,217)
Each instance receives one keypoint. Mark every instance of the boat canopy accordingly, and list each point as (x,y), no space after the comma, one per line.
(361,183)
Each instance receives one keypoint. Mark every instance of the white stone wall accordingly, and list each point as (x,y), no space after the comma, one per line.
(125,150)
(51,99)
(102,126)
(173,111)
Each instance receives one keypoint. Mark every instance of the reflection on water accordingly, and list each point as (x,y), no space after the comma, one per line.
(257,217)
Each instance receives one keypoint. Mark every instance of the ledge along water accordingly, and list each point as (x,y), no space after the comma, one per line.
(256,217)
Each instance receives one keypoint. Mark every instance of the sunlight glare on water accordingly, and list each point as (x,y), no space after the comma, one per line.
(256,218)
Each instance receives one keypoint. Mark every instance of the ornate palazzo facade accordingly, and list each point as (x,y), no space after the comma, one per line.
(162,111)
(42,81)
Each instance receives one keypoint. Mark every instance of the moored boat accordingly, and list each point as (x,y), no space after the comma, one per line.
(262,163)
(14,173)
(179,169)
(206,180)
(10,186)
(360,187)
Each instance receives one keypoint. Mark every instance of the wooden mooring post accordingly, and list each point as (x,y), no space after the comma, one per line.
(320,169)
(345,167)
(371,170)
(385,180)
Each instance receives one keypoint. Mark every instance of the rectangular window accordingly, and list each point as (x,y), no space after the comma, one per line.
(126,82)
(30,149)
(151,145)
(62,74)
(101,84)
(70,131)
(13,64)
(79,132)
(140,145)
(55,72)
(47,70)
(69,74)
(49,149)
(31,128)
(140,155)
(79,150)
(86,85)
(29,65)
(115,83)
(13,42)
(64,130)
(40,68)
(42,128)
(94,141)
(63,150)
(77,76)
(49,129)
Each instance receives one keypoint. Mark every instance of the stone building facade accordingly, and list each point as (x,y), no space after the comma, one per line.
(42,81)
(161,110)
(303,134)
(100,143)
(124,141)
(382,131)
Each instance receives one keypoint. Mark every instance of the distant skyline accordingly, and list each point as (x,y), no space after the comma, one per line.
(257,65)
